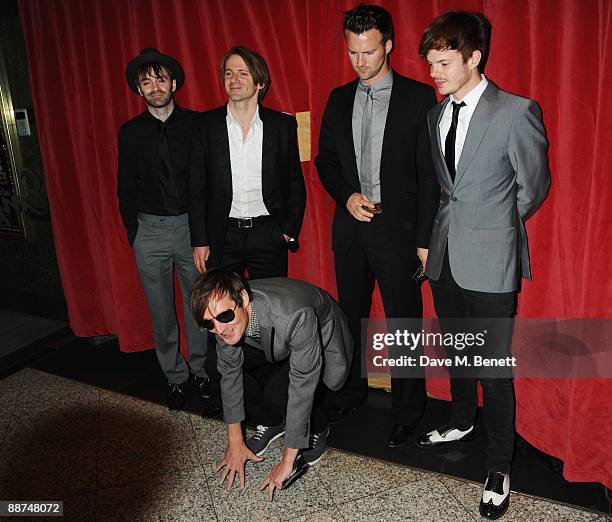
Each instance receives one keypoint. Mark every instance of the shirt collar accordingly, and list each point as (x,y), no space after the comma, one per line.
(255,121)
(386,82)
(472,97)
(176,112)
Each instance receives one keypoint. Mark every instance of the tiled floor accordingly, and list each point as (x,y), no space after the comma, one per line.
(113,457)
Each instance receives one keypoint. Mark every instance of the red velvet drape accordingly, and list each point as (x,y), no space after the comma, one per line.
(557,52)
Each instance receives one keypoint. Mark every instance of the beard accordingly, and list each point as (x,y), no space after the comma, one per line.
(159,102)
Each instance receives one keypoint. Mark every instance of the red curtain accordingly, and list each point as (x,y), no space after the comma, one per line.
(557,52)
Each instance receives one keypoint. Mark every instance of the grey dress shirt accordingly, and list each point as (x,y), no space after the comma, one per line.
(381,94)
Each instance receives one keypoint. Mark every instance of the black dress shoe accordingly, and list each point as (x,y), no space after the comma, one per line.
(496,495)
(176,395)
(444,436)
(400,435)
(202,386)
(337,413)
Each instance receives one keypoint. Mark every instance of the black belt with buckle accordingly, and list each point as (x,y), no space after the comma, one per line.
(248,222)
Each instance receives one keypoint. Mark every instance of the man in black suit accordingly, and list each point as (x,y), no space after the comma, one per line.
(247,192)
(152,191)
(374,160)
(246,187)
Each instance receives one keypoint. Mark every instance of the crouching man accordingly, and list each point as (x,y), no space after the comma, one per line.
(293,340)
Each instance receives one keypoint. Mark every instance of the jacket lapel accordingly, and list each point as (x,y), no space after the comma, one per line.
(347,123)
(436,145)
(394,116)
(222,153)
(481,119)
(268,152)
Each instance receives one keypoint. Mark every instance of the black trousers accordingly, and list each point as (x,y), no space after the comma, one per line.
(262,252)
(266,388)
(376,255)
(453,302)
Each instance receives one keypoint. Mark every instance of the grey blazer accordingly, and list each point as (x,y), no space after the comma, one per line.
(301,322)
(502,178)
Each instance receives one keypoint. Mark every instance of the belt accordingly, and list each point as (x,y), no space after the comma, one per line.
(248,222)
(377,208)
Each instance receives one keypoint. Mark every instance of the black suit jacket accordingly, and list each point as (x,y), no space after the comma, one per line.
(210,176)
(409,189)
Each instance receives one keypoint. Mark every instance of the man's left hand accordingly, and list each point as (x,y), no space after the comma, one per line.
(276,478)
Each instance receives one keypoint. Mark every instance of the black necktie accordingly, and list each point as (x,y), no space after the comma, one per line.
(449,144)
(164,166)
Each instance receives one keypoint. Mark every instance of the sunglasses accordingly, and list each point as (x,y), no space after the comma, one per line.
(227,316)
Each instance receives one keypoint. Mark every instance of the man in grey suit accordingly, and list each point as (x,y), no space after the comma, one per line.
(490,154)
(298,333)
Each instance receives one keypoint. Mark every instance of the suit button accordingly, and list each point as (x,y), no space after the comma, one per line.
(454,198)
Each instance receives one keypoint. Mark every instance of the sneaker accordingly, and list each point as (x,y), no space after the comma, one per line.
(317,445)
(202,386)
(259,442)
(176,396)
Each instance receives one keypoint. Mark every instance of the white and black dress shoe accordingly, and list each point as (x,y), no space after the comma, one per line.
(444,436)
(496,495)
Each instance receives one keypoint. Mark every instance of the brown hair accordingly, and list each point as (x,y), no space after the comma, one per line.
(153,69)
(256,65)
(460,31)
(214,284)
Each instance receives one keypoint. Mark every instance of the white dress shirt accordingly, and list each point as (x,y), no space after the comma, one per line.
(245,157)
(465,115)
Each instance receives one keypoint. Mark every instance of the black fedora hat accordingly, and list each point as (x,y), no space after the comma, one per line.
(152,55)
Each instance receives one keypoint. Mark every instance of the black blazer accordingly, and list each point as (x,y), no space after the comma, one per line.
(210,176)
(409,189)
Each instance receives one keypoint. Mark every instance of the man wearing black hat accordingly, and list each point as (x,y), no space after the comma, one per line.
(152,192)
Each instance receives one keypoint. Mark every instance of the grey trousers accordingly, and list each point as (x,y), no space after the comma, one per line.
(163,242)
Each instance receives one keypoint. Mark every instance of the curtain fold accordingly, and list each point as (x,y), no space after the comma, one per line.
(557,52)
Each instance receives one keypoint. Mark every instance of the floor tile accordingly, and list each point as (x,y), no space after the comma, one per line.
(424,500)
(328,515)
(51,408)
(10,388)
(121,412)
(81,508)
(35,468)
(172,497)
(349,477)
(305,497)
(521,507)
(158,447)
(211,439)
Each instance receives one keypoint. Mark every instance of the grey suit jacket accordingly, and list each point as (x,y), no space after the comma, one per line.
(301,322)
(502,178)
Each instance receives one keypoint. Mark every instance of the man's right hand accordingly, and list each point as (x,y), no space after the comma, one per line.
(358,206)
(236,456)
(200,256)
